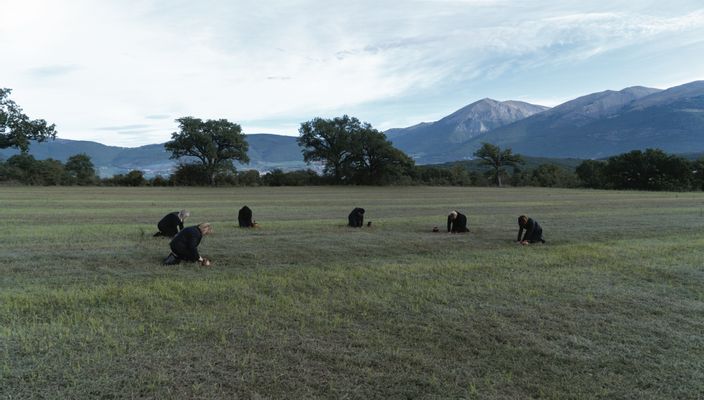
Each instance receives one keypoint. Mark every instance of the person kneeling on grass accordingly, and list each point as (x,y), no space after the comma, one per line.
(356,218)
(172,223)
(244,217)
(457,222)
(184,246)
(534,233)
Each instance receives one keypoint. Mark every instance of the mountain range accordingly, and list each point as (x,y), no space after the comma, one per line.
(608,123)
(597,125)
(266,152)
(430,143)
(593,126)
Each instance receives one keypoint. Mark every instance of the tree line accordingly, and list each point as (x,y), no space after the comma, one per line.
(350,152)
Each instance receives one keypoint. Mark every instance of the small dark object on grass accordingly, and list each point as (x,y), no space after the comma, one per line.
(436,229)
(369,224)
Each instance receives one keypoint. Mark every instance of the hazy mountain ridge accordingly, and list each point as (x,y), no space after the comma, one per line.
(594,106)
(266,152)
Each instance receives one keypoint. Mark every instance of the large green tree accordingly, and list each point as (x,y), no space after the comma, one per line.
(330,141)
(492,156)
(351,151)
(651,169)
(591,173)
(17,129)
(214,143)
(81,169)
(375,160)
(24,168)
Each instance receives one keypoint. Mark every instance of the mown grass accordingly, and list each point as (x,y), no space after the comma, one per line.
(302,307)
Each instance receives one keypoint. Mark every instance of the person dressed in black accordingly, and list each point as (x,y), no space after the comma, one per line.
(534,233)
(172,223)
(457,222)
(244,217)
(356,218)
(184,246)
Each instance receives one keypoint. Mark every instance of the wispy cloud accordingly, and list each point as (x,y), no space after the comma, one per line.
(51,71)
(124,127)
(140,64)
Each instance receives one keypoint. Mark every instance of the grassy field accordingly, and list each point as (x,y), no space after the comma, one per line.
(612,307)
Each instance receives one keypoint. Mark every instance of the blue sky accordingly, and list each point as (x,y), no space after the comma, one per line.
(120,72)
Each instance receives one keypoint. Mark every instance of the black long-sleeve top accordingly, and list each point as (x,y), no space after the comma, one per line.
(185,244)
(171,224)
(244,217)
(534,233)
(459,224)
(356,218)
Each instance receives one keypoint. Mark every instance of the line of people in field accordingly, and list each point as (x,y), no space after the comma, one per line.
(184,241)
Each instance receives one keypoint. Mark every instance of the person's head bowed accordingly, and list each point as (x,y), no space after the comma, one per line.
(205,228)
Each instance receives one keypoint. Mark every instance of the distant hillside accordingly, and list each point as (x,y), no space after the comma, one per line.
(266,152)
(432,142)
(608,123)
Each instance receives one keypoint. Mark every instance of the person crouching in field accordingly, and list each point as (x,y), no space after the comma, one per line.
(356,218)
(184,246)
(457,222)
(244,217)
(534,233)
(172,223)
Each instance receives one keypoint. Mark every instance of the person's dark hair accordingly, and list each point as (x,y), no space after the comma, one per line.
(522,220)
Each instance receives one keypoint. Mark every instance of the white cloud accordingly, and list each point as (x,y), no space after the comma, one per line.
(85,64)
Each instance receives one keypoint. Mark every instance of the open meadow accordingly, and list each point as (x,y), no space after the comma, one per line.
(303,307)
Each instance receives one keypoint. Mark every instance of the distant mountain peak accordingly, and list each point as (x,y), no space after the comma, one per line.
(609,122)
(599,104)
(464,124)
(673,94)
(490,112)
(640,89)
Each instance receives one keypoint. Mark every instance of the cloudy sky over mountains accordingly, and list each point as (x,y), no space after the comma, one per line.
(120,72)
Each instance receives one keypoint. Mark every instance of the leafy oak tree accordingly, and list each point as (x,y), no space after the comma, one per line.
(214,143)
(652,169)
(591,173)
(352,151)
(330,141)
(17,129)
(81,169)
(376,161)
(492,156)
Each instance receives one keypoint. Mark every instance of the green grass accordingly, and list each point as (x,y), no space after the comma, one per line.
(303,307)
